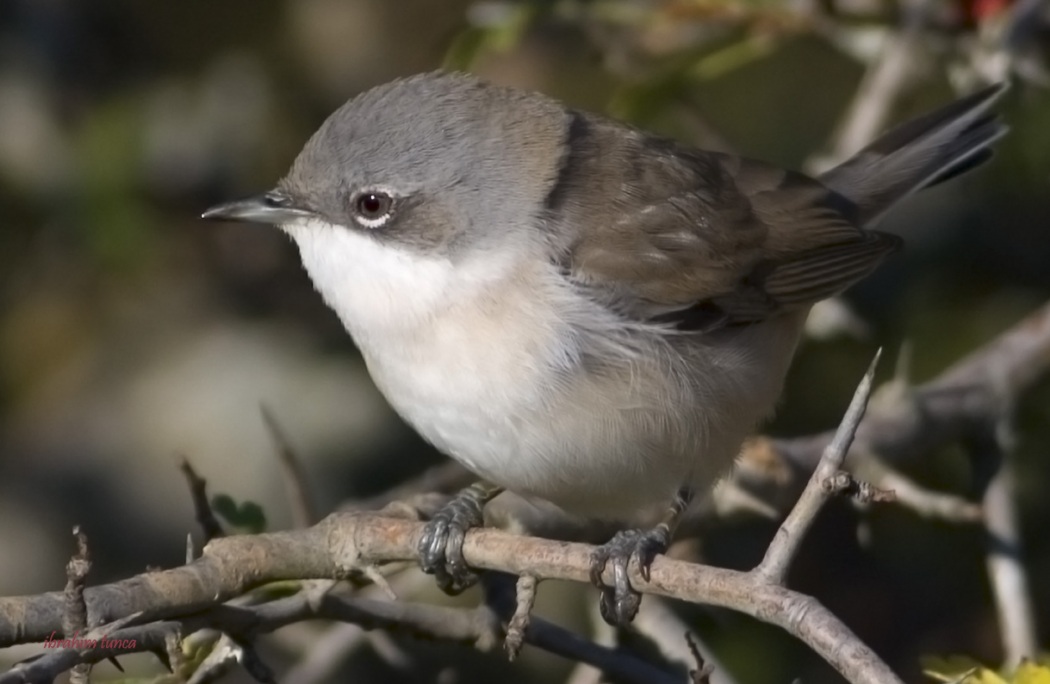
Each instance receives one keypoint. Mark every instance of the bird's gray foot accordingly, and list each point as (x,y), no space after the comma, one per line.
(620,601)
(441,546)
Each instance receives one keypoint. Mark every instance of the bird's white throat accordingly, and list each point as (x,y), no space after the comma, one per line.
(372,286)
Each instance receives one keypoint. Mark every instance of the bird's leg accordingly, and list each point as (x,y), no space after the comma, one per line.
(619,602)
(441,546)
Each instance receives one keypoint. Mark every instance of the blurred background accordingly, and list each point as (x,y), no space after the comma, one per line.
(133,334)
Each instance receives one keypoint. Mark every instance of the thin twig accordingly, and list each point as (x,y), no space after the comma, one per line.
(678,642)
(304,512)
(525,598)
(704,669)
(926,502)
(788,539)
(201,506)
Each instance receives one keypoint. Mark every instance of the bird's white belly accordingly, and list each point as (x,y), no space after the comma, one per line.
(488,394)
(466,400)
(605,446)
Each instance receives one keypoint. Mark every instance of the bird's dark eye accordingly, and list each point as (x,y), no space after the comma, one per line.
(373,208)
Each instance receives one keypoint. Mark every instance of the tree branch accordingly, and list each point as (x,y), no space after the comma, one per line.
(342,542)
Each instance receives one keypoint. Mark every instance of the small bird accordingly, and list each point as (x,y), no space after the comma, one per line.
(576,310)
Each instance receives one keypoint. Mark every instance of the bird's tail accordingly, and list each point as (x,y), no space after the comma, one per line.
(918,154)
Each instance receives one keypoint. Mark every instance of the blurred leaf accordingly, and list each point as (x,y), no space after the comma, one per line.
(965,670)
(642,101)
(1029,672)
(247,517)
(955,669)
(732,57)
(282,589)
(501,34)
(112,211)
(465,49)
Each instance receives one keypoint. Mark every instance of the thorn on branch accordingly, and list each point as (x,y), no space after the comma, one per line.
(379,579)
(525,592)
(201,508)
(316,590)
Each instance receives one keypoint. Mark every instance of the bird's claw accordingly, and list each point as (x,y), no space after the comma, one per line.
(620,601)
(441,546)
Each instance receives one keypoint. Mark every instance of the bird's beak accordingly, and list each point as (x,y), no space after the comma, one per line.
(274,207)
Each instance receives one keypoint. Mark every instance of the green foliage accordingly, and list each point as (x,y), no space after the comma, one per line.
(501,36)
(117,219)
(247,517)
(965,670)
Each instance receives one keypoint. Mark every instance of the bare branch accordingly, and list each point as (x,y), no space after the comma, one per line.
(968,397)
(886,78)
(785,544)
(344,541)
(1013,596)
(470,627)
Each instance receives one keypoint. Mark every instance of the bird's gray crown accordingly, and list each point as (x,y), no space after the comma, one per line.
(459,155)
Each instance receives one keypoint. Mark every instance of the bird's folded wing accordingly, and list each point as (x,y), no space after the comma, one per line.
(702,240)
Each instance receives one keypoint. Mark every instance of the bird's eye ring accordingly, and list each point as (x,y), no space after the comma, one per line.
(372,208)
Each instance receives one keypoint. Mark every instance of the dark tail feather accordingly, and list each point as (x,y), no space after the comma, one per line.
(919,153)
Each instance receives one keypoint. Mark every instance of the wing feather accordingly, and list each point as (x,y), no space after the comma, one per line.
(700,239)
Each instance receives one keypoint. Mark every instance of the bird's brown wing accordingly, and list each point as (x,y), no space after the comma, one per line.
(700,239)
